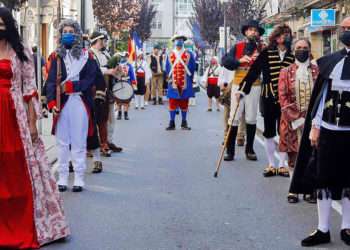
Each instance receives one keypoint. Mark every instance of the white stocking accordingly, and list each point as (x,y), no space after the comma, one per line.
(283,158)
(346,213)
(96,155)
(270,148)
(324,207)
(142,101)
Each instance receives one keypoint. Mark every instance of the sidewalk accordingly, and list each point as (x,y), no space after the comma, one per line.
(48,139)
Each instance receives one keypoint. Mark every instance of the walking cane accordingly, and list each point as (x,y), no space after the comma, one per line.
(218,165)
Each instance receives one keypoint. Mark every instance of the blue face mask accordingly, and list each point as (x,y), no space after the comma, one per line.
(68,39)
(179,43)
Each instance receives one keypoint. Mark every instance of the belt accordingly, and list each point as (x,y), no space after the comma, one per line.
(75,94)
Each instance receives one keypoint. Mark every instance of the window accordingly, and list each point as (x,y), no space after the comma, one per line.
(157,22)
(156,3)
(184,7)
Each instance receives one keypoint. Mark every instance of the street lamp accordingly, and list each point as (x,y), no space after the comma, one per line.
(224,2)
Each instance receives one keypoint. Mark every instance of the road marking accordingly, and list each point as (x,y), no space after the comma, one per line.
(335,204)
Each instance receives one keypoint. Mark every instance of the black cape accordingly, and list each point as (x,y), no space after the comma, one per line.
(303,181)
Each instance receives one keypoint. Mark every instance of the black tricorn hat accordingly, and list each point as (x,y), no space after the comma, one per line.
(254,24)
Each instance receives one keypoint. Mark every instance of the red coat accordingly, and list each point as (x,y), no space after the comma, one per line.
(289,111)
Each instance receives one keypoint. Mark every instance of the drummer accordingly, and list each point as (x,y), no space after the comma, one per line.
(127,74)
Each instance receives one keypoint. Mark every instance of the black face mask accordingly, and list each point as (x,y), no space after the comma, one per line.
(345,37)
(302,55)
(3,34)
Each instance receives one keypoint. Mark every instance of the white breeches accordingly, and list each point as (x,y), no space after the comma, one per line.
(111,123)
(72,130)
(249,104)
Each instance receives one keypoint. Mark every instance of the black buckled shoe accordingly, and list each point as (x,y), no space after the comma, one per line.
(115,148)
(171,126)
(62,188)
(316,238)
(229,157)
(97,167)
(345,236)
(292,198)
(283,171)
(105,152)
(270,171)
(185,126)
(77,189)
(250,155)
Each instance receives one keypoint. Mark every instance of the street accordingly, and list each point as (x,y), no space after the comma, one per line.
(160,194)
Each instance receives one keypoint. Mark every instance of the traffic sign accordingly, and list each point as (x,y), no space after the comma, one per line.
(323,17)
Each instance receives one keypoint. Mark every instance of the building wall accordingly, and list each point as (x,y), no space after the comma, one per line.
(297,16)
(172,17)
(70,9)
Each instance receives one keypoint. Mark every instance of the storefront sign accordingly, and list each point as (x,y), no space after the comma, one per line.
(323,17)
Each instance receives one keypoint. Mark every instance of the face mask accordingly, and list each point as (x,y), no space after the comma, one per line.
(302,55)
(68,39)
(345,37)
(3,34)
(179,43)
(123,60)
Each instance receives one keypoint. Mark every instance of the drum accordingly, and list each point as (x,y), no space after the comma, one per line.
(123,91)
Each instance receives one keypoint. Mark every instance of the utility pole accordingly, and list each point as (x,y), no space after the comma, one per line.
(38,55)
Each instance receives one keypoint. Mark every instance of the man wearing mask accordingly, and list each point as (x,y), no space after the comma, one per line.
(106,118)
(71,101)
(240,58)
(322,162)
(156,65)
(276,56)
(180,67)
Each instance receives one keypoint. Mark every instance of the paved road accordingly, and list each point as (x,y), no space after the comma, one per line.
(160,194)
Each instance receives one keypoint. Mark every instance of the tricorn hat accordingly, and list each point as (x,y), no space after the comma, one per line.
(177,36)
(254,24)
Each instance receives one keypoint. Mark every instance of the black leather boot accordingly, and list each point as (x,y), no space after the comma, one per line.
(249,150)
(171,125)
(185,126)
(231,143)
(160,101)
(119,115)
(154,101)
(126,116)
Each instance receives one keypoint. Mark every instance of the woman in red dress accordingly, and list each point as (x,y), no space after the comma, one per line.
(31,211)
